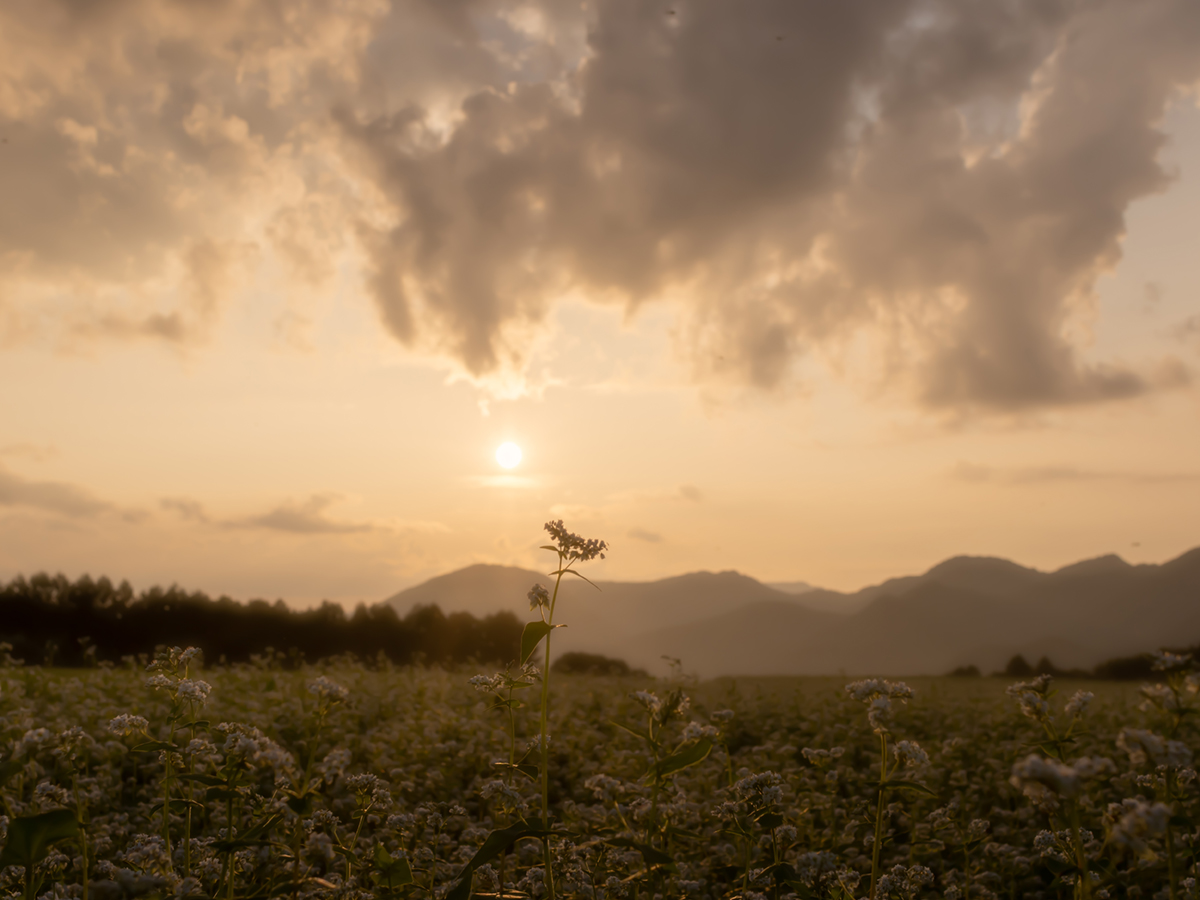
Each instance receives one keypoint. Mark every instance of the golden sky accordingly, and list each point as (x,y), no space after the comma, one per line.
(822,292)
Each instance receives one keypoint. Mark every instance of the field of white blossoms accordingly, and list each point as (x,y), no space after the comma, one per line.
(347,780)
(377,782)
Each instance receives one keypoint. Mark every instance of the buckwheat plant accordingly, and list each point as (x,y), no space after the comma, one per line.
(187,696)
(1052,783)
(878,696)
(1169,703)
(571,549)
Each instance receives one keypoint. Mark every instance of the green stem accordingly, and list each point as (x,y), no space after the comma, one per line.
(358,831)
(83,846)
(1085,878)
(545,743)
(229,857)
(167,800)
(876,846)
(1172,875)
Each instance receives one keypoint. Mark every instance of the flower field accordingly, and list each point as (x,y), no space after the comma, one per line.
(344,780)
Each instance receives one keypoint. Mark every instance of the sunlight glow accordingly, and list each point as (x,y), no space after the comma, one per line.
(508,454)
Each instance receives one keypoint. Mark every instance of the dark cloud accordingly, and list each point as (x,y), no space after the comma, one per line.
(940,181)
(953,174)
(50,496)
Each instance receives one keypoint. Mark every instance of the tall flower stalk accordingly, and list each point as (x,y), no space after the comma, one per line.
(570,549)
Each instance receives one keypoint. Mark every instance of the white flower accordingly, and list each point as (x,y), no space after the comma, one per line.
(910,754)
(648,700)
(1141,745)
(878,694)
(572,546)
(1078,703)
(193,691)
(1035,775)
(126,724)
(694,731)
(538,597)
(326,688)
(1165,661)
(1138,820)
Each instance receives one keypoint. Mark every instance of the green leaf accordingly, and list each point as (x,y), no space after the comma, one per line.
(652,857)
(529,771)
(1180,821)
(577,575)
(222,793)
(8,769)
(208,780)
(900,784)
(179,803)
(251,837)
(769,820)
(531,637)
(689,756)
(636,732)
(496,843)
(549,547)
(392,873)
(30,837)
(155,746)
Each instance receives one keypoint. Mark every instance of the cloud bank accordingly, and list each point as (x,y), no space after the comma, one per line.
(921,191)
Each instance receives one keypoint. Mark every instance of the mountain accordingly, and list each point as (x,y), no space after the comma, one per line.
(965,610)
(600,619)
(792,587)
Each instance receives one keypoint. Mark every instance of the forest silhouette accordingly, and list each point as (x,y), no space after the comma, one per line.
(50,619)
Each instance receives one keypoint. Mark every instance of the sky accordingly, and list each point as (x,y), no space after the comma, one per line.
(814,291)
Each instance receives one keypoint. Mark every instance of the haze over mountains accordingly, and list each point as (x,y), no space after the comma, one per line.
(966,610)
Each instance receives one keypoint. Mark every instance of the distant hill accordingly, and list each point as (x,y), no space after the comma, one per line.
(792,587)
(966,610)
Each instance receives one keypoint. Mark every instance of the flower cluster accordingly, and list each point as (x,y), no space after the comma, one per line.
(878,694)
(573,547)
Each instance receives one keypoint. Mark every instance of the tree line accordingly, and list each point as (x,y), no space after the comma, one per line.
(50,619)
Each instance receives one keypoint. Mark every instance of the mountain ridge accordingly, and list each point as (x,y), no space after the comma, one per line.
(964,610)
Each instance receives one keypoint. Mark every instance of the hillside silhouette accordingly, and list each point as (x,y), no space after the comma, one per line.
(964,611)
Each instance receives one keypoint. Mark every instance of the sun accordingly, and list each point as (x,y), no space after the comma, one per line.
(508,455)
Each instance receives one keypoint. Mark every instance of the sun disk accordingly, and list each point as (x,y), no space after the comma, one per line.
(508,454)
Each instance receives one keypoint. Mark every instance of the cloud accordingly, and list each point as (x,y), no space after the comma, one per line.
(951,178)
(306,517)
(641,534)
(920,194)
(31,452)
(189,510)
(50,496)
(1035,475)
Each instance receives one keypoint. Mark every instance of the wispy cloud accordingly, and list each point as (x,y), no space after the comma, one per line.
(50,496)
(31,452)
(306,517)
(185,508)
(641,534)
(1050,474)
(515,482)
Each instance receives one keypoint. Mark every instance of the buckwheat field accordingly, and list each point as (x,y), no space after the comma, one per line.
(353,780)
